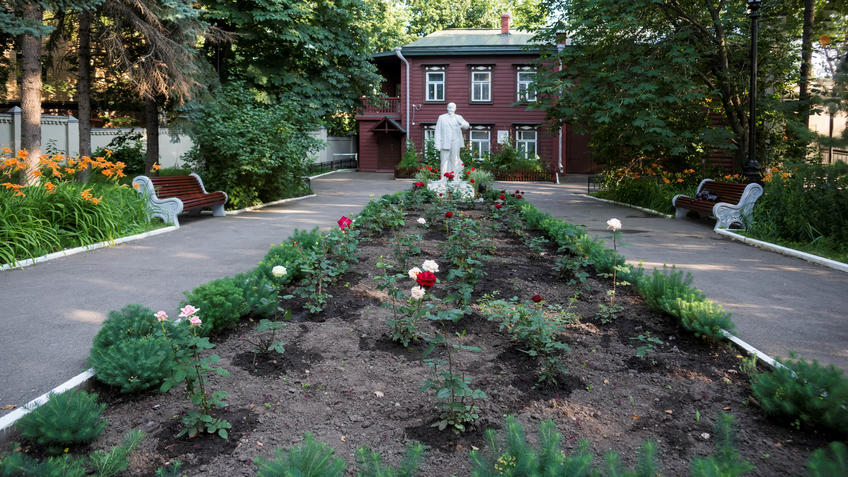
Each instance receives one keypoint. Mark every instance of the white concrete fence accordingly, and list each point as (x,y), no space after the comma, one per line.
(61,134)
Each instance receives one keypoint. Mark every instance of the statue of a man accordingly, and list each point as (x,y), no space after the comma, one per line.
(449,140)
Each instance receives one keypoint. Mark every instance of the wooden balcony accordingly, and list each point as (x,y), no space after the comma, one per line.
(386,106)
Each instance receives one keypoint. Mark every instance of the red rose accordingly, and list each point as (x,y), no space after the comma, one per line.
(344,222)
(419,184)
(449,175)
(518,196)
(426,279)
(498,206)
(537,298)
(467,173)
(517,191)
(448,214)
(473,169)
(440,194)
(502,197)
(503,191)
(472,181)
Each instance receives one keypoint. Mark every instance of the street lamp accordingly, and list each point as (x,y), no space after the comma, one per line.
(752,167)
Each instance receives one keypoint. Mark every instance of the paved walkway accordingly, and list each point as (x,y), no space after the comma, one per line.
(50,312)
(778,303)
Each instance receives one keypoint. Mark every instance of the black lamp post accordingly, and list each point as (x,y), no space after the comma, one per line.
(752,167)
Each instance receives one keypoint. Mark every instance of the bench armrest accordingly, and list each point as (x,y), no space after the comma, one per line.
(200,182)
(165,209)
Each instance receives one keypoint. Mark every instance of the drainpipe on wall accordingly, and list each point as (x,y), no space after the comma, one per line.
(561,43)
(400,55)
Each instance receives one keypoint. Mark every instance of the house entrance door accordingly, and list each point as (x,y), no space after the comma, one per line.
(388,151)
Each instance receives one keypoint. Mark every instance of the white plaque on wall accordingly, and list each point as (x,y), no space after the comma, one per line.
(503,136)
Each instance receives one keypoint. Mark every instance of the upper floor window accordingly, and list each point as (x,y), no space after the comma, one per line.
(481,140)
(435,83)
(527,141)
(524,84)
(481,83)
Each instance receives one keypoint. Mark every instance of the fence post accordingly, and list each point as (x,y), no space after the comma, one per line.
(15,112)
(72,136)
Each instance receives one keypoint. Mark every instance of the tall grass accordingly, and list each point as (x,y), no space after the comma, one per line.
(48,220)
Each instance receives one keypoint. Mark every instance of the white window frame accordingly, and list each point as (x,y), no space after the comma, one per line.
(431,75)
(525,136)
(524,86)
(429,134)
(479,144)
(484,84)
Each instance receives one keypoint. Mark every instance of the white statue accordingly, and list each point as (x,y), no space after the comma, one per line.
(449,141)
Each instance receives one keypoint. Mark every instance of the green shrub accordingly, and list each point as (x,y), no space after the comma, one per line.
(671,292)
(805,394)
(514,456)
(727,462)
(132,321)
(134,364)
(310,459)
(806,206)
(18,464)
(828,462)
(221,303)
(267,156)
(370,462)
(73,417)
(260,294)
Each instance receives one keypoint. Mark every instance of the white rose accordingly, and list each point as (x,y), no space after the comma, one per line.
(430,266)
(279,271)
(413,272)
(421,221)
(613,224)
(417,292)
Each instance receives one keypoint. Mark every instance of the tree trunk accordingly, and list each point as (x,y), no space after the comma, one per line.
(151,122)
(806,63)
(31,93)
(84,87)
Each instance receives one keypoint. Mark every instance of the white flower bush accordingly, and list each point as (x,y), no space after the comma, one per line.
(614,224)
(279,271)
(413,272)
(417,292)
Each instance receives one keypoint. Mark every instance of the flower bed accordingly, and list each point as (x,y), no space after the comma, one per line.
(440,277)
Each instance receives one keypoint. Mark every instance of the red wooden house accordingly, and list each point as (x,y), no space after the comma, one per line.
(488,74)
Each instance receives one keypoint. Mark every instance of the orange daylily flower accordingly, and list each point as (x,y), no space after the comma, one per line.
(86,194)
(156,167)
(51,188)
(6,150)
(95,200)
(665,179)
(36,173)
(679,179)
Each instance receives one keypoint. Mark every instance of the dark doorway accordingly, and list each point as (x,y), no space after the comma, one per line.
(388,150)
(577,157)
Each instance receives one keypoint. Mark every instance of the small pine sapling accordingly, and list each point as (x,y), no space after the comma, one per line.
(370,463)
(66,419)
(310,459)
(727,462)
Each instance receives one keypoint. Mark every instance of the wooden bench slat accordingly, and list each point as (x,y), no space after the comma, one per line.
(735,201)
(170,195)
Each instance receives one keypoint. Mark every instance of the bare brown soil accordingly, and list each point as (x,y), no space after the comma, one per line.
(343,380)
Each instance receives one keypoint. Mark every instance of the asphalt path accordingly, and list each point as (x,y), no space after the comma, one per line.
(779,303)
(50,312)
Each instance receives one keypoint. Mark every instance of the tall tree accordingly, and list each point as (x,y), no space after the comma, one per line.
(84,86)
(31,90)
(643,75)
(428,16)
(806,63)
(152,42)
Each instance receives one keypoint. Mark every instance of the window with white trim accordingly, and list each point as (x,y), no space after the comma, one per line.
(524,84)
(527,141)
(429,137)
(435,83)
(481,140)
(481,83)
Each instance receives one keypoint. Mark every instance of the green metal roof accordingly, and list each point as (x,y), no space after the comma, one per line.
(456,42)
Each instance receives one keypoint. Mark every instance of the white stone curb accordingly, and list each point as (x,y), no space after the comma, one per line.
(751,350)
(95,246)
(622,204)
(332,172)
(842,267)
(269,204)
(8,421)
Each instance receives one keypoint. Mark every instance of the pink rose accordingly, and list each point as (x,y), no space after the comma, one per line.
(195,321)
(187,311)
(161,316)
(344,222)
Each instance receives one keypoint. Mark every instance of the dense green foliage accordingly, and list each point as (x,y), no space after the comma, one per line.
(18,464)
(221,303)
(513,455)
(805,394)
(254,150)
(43,222)
(310,459)
(830,461)
(259,292)
(805,204)
(132,321)
(66,419)
(134,364)
(371,464)
(658,69)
